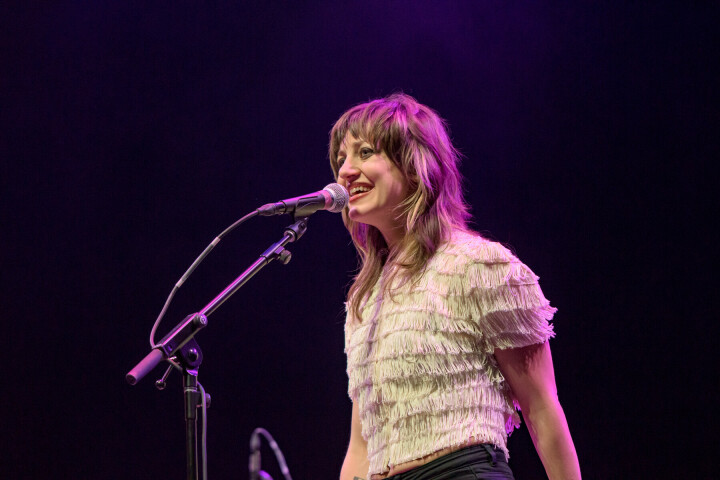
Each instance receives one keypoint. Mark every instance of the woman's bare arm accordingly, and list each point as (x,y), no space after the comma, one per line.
(530,374)
(356,464)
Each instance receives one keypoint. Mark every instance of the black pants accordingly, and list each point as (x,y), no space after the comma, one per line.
(477,462)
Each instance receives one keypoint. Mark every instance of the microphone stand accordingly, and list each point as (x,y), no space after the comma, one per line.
(182,350)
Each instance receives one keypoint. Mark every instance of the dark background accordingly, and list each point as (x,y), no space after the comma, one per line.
(134,132)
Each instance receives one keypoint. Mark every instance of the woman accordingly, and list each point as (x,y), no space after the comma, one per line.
(446,332)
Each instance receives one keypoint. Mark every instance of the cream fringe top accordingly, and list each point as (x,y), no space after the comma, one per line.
(421,365)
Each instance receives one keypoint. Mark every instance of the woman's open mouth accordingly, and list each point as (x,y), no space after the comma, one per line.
(359,191)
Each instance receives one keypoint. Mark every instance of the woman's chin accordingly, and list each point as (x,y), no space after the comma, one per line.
(355,215)
(359,217)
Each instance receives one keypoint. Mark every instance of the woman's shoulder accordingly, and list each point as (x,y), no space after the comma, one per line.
(473,247)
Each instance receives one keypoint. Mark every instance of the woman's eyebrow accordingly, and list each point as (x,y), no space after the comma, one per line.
(356,144)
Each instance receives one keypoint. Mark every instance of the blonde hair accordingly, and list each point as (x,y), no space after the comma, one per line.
(415,138)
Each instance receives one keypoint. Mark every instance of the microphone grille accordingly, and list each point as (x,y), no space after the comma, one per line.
(340,197)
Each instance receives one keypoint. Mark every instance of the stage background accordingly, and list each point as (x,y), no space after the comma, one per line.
(134,132)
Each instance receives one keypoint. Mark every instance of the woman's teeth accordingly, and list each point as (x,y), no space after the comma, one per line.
(356,190)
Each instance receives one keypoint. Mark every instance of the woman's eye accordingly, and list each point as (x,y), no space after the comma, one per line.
(366,152)
(340,162)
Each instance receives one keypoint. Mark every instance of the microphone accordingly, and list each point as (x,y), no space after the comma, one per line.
(254,461)
(333,197)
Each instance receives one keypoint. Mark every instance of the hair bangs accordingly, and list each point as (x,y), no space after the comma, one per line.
(371,122)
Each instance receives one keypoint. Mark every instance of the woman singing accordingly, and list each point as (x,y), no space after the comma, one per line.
(446,332)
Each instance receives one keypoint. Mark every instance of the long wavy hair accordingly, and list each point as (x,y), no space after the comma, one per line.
(415,138)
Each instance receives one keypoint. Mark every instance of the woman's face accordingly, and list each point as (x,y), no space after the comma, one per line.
(375,184)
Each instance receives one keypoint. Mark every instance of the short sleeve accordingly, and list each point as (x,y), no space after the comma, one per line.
(506,300)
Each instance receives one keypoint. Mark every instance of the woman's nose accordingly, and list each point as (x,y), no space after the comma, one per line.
(348,172)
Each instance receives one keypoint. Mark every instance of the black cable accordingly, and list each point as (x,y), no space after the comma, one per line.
(192,268)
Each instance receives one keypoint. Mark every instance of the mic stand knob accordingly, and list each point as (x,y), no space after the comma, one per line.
(161,383)
(285,256)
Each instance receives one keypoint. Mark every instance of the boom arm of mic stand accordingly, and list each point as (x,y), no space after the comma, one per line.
(192,324)
(277,250)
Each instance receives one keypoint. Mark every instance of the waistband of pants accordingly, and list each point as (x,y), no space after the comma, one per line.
(480,453)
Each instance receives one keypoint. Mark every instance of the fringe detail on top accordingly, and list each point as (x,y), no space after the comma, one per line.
(421,364)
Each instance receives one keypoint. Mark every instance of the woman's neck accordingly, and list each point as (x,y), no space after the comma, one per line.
(394,236)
